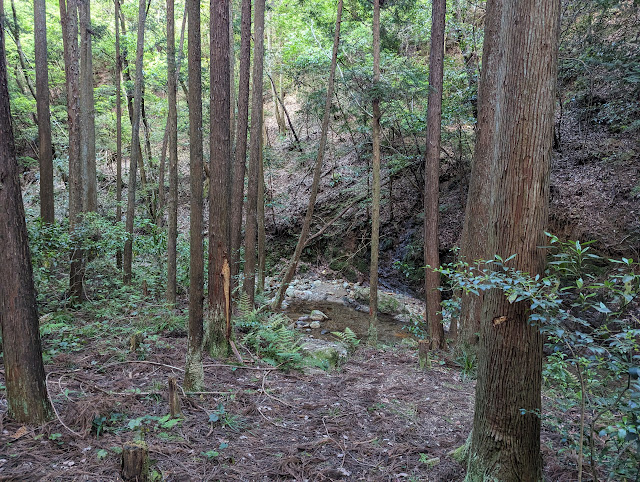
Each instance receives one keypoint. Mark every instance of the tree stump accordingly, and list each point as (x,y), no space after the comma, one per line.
(135,462)
(174,398)
(423,353)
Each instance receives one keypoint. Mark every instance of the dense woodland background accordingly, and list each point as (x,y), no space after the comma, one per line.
(116,336)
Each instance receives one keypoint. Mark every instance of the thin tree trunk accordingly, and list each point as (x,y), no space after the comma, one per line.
(219,187)
(165,138)
(130,101)
(262,254)
(254,154)
(194,373)
(520,63)
(21,56)
(136,154)
(22,354)
(431,176)
(172,127)
(306,226)
(375,182)
(118,128)
(282,129)
(148,192)
(44,118)
(87,112)
(69,20)
(237,189)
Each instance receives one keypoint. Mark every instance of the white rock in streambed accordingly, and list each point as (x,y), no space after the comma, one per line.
(317,315)
(314,324)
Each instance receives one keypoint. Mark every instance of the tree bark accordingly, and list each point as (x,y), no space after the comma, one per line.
(219,180)
(254,154)
(306,226)
(262,235)
(87,111)
(44,118)
(165,139)
(118,127)
(136,153)
(240,159)
(23,367)
(375,182)
(520,65)
(69,20)
(172,129)
(194,374)
(431,175)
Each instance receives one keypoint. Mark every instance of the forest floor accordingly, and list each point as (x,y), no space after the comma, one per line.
(377,416)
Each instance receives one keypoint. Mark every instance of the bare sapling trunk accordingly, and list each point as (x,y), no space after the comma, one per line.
(118,127)
(45,152)
(254,155)
(306,226)
(136,153)
(172,127)
(87,111)
(433,312)
(168,126)
(69,20)
(375,182)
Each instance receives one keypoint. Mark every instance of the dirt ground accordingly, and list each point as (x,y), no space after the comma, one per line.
(377,417)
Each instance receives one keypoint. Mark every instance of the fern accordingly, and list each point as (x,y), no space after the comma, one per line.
(348,338)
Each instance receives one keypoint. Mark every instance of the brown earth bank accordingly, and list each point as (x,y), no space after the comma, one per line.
(595,195)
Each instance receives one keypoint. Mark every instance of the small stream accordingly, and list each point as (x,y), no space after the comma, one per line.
(390,331)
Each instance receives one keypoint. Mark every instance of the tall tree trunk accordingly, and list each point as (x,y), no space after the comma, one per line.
(118,127)
(136,153)
(165,139)
(431,176)
(375,182)
(519,64)
(44,118)
(240,159)
(232,80)
(262,253)
(306,226)
(473,245)
(87,111)
(219,186)
(22,353)
(69,20)
(194,374)
(172,128)
(254,154)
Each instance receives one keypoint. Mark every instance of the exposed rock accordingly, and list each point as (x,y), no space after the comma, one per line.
(317,315)
(314,324)
(387,303)
(333,352)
